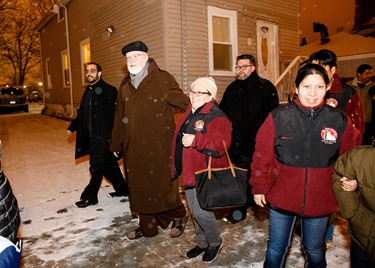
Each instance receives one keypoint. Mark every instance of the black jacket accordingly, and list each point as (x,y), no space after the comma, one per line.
(9,212)
(94,123)
(247,104)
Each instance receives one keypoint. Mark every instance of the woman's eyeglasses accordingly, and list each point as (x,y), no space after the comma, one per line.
(198,93)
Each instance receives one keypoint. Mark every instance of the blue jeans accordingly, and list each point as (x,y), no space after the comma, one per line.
(312,235)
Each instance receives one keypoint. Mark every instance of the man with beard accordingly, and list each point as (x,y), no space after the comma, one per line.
(366,89)
(247,102)
(93,125)
(143,131)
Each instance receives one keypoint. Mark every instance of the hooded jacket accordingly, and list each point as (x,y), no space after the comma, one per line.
(295,152)
(358,207)
(9,212)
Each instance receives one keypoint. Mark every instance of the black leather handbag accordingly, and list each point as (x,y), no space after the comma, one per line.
(221,187)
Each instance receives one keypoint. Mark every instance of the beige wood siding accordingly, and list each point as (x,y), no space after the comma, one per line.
(174,30)
(191,39)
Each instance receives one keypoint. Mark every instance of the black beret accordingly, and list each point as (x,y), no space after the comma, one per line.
(134,46)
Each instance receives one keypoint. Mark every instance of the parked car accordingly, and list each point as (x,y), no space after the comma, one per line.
(35,95)
(13,98)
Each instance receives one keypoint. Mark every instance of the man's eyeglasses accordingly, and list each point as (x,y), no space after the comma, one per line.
(134,57)
(198,93)
(243,67)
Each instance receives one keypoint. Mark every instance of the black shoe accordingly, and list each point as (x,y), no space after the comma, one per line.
(211,253)
(85,203)
(178,226)
(116,194)
(235,216)
(135,234)
(195,252)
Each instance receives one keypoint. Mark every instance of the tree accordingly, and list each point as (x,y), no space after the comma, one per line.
(19,39)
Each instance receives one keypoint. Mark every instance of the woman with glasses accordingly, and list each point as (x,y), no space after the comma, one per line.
(199,134)
(292,169)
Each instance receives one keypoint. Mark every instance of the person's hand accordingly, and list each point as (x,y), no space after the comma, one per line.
(260,200)
(348,185)
(187,139)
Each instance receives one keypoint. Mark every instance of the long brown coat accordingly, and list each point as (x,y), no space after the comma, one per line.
(143,131)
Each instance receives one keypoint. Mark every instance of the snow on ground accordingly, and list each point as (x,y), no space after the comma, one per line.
(38,159)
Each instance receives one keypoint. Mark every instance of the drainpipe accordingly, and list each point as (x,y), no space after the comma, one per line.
(56,10)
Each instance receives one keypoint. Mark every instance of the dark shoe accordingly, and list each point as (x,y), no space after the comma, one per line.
(211,253)
(195,252)
(116,194)
(85,203)
(135,234)
(235,216)
(178,226)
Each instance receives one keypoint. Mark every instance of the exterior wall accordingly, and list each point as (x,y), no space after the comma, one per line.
(194,29)
(51,46)
(131,20)
(347,66)
(174,30)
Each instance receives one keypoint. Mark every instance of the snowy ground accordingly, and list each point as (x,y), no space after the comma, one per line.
(38,160)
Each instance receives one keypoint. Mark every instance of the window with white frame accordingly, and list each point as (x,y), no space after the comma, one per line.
(85,57)
(222,38)
(65,68)
(48,73)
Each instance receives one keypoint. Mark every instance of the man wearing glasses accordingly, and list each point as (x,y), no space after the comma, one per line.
(143,131)
(247,102)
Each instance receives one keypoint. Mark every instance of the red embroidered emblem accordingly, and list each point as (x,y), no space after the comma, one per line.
(198,125)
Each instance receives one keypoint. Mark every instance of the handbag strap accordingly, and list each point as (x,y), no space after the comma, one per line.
(229,161)
(231,166)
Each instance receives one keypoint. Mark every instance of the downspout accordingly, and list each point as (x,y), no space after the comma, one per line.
(184,65)
(56,10)
(42,69)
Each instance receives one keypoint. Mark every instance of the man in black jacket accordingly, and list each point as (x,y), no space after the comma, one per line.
(94,124)
(247,102)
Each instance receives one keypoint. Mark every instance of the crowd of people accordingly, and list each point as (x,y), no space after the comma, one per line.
(290,151)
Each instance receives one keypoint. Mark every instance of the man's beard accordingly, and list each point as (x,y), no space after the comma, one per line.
(135,69)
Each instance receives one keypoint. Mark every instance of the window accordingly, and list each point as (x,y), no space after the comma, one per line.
(85,57)
(222,38)
(61,14)
(48,73)
(65,68)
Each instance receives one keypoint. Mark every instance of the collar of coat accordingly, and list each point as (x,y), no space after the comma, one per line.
(308,111)
(206,108)
(336,86)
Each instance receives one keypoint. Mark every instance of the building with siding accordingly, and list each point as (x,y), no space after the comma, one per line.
(188,38)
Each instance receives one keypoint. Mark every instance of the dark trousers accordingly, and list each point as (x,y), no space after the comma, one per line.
(367,134)
(359,258)
(112,173)
(149,222)
(239,213)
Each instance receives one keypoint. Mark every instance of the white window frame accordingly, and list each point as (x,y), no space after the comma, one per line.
(232,16)
(82,44)
(65,80)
